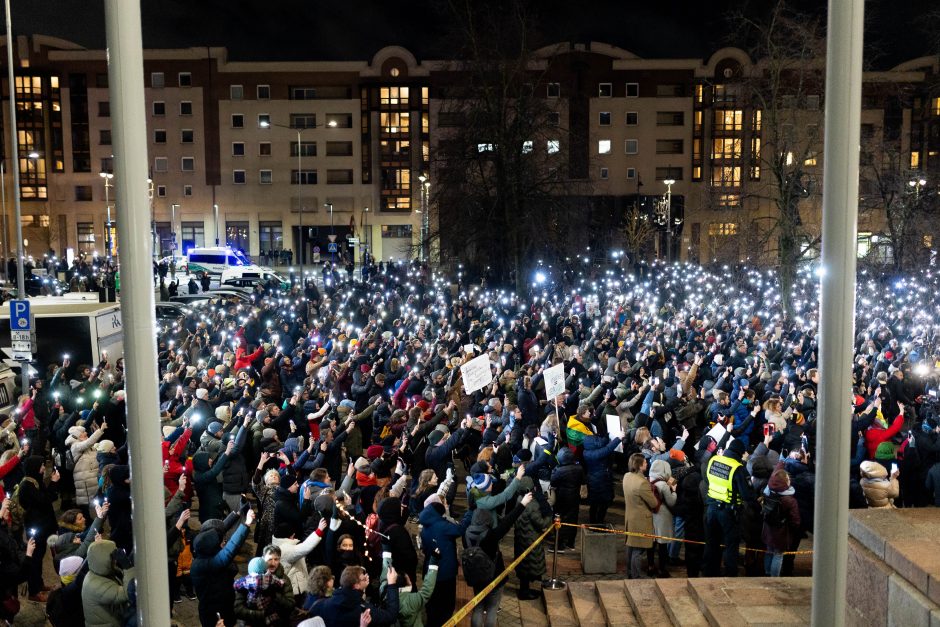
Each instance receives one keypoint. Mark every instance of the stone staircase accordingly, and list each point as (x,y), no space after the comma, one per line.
(704,602)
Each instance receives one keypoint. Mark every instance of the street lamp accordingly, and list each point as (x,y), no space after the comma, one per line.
(425,222)
(215,213)
(917,185)
(332,231)
(669,183)
(300,190)
(107,176)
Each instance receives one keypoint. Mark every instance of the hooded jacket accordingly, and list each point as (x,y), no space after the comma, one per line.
(392,524)
(119,513)
(880,489)
(212,573)
(207,487)
(293,558)
(660,473)
(85,471)
(105,598)
(566,480)
(438,532)
(344,608)
(37,499)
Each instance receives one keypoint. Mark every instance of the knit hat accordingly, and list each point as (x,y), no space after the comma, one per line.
(885,450)
(431,500)
(105,446)
(288,480)
(74,434)
(362,465)
(269,433)
(262,415)
(677,454)
(70,565)
(257,566)
(435,437)
(736,447)
(779,480)
(480,482)
(214,427)
(202,394)
(374,452)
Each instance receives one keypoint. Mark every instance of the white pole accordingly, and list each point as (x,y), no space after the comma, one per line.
(837,309)
(3,240)
(128,109)
(17,210)
(301,249)
(173,229)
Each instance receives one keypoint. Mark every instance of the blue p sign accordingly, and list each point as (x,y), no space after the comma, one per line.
(19,315)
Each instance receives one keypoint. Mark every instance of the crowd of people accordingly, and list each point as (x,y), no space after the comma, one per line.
(325,463)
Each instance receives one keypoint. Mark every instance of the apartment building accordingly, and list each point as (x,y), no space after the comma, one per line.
(287,156)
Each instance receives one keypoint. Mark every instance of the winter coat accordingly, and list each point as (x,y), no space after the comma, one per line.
(277,612)
(660,473)
(235,476)
(286,511)
(293,558)
(207,487)
(105,598)
(344,608)
(566,481)
(880,489)
(438,532)
(639,505)
(529,526)
(411,604)
(85,471)
(779,538)
(119,512)
(876,434)
(597,452)
(37,499)
(212,574)
(690,505)
(399,542)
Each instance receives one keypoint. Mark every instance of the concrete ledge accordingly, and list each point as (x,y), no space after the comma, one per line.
(867,589)
(907,607)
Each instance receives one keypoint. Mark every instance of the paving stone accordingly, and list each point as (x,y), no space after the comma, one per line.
(907,607)
(868,586)
(531,613)
(677,600)
(587,610)
(558,608)
(643,598)
(764,601)
(614,604)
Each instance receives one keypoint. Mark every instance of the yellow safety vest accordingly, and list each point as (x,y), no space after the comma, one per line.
(720,471)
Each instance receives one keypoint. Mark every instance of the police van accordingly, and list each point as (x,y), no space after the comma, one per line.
(218,260)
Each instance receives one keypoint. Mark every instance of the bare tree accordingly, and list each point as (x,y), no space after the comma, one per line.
(638,231)
(781,95)
(502,189)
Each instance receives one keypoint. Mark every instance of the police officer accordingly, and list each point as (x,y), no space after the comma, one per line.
(729,486)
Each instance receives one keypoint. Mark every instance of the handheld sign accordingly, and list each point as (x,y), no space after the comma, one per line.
(554,381)
(476,373)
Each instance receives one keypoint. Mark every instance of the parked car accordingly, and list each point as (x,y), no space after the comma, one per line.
(182,263)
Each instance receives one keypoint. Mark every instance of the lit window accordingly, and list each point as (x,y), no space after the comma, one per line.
(810,159)
(727,176)
(603,146)
(915,159)
(728,119)
(553,146)
(484,147)
(722,228)
(527,146)
(935,106)
(264,120)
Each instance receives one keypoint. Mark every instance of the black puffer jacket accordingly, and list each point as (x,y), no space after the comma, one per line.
(566,480)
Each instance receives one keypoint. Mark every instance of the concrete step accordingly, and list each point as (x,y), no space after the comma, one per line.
(614,606)
(583,597)
(740,602)
(645,601)
(558,608)
(532,613)
(680,607)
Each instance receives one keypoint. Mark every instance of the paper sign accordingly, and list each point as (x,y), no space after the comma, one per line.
(476,373)
(717,433)
(554,381)
(615,430)
(468,348)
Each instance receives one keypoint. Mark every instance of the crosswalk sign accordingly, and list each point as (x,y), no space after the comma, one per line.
(331,247)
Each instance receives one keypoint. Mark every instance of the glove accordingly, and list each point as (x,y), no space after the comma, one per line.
(435,557)
(450,473)
(335,523)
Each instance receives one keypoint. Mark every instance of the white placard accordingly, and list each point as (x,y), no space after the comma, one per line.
(476,373)
(615,430)
(554,381)
(717,433)
(468,348)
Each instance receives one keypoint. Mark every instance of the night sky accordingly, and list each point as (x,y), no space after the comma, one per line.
(356,29)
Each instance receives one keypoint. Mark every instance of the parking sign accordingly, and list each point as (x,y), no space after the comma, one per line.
(19,315)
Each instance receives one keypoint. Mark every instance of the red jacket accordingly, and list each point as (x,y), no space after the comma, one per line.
(28,421)
(876,435)
(171,476)
(243,360)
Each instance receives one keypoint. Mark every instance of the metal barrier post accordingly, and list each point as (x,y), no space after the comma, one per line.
(555,583)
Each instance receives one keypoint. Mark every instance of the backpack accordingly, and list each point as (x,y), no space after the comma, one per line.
(478,567)
(64,459)
(771,511)
(17,513)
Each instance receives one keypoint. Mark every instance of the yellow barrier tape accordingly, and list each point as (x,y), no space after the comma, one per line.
(671,539)
(462,613)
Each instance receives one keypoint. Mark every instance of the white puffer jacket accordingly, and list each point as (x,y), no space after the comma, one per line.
(85,472)
(293,553)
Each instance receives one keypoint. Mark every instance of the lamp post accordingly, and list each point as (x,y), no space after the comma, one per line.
(215,211)
(425,223)
(917,185)
(107,176)
(4,241)
(301,248)
(173,230)
(669,183)
(332,232)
